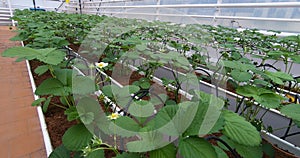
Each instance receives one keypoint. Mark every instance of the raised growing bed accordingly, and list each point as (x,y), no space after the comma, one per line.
(172,37)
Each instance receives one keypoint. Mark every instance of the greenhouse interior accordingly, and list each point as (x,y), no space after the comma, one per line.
(150,78)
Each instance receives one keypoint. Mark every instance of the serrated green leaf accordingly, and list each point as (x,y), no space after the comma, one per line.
(247,91)
(249,151)
(239,130)
(38,102)
(240,76)
(41,69)
(194,147)
(82,135)
(208,114)
(51,86)
(21,52)
(292,111)
(51,56)
(164,152)
(60,152)
(282,75)
(269,100)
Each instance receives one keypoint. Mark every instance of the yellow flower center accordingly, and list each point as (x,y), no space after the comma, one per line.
(113,116)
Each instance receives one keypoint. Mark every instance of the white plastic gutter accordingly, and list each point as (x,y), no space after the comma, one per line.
(43,125)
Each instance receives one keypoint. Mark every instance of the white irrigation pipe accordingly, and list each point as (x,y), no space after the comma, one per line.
(220,5)
(41,116)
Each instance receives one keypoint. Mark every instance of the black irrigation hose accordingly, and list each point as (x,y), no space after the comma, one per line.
(292,134)
(56,9)
(205,71)
(240,104)
(268,65)
(70,58)
(142,92)
(287,130)
(234,153)
(72,53)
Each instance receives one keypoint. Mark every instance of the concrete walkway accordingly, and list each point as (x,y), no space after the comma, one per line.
(20,131)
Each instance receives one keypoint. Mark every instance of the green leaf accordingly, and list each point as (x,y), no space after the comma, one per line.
(51,86)
(268,149)
(46,104)
(297,123)
(87,118)
(21,52)
(107,90)
(173,120)
(296,59)
(48,55)
(145,85)
(125,126)
(249,151)
(83,85)
(76,137)
(64,76)
(165,152)
(41,69)
(244,151)
(281,75)
(220,152)
(195,147)
(247,91)
(71,113)
(240,75)
(207,118)
(60,152)
(239,130)
(260,82)
(141,109)
(51,56)
(38,102)
(269,100)
(96,154)
(292,111)
(151,140)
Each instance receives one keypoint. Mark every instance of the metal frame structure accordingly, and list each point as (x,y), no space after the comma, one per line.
(109,7)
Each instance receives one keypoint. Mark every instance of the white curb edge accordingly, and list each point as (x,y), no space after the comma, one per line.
(43,125)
